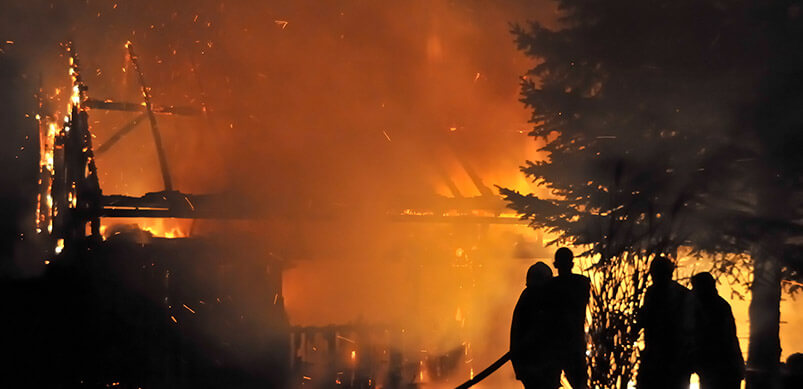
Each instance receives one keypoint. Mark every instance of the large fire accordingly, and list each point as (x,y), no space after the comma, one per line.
(159,228)
(368,137)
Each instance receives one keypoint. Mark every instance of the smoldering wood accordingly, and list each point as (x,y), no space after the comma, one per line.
(324,354)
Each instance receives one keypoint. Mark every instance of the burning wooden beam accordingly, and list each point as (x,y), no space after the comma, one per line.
(109,105)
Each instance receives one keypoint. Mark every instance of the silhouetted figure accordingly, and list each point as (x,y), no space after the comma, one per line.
(793,372)
(667,319)
(719,361)
(569,293)
(529,334)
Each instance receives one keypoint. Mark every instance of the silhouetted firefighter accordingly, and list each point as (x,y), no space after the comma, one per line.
(719,360)
(547,335)
(529,332)
(569,296)
(667,319)
(793,371)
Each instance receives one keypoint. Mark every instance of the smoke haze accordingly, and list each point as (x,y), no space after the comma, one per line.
(325,115)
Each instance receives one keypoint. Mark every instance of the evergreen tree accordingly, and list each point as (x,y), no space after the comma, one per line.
(668,124)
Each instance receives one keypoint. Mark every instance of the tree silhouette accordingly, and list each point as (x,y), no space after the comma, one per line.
(669,124)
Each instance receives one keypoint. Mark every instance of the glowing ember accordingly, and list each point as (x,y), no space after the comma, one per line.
(59,246)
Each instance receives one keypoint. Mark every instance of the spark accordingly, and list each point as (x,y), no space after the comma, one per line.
(281,23)
(386,135)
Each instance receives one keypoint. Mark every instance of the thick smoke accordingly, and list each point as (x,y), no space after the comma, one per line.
(326,117)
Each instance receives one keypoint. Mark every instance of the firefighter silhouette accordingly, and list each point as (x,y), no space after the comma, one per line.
(719,361)
(569,294)
(667,318)
(529,334)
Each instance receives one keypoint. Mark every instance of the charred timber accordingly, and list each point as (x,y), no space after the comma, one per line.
(119,134)
(138,107)
(174,204)
(442,204)
(462,219)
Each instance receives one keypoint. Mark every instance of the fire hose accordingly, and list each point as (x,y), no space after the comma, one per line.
(485,373)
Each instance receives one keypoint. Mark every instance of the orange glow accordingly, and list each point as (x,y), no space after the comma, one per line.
(157,227)
(371,119)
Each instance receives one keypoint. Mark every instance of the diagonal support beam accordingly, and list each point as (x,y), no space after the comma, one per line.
(124,130)
(157,138)
(475,178)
